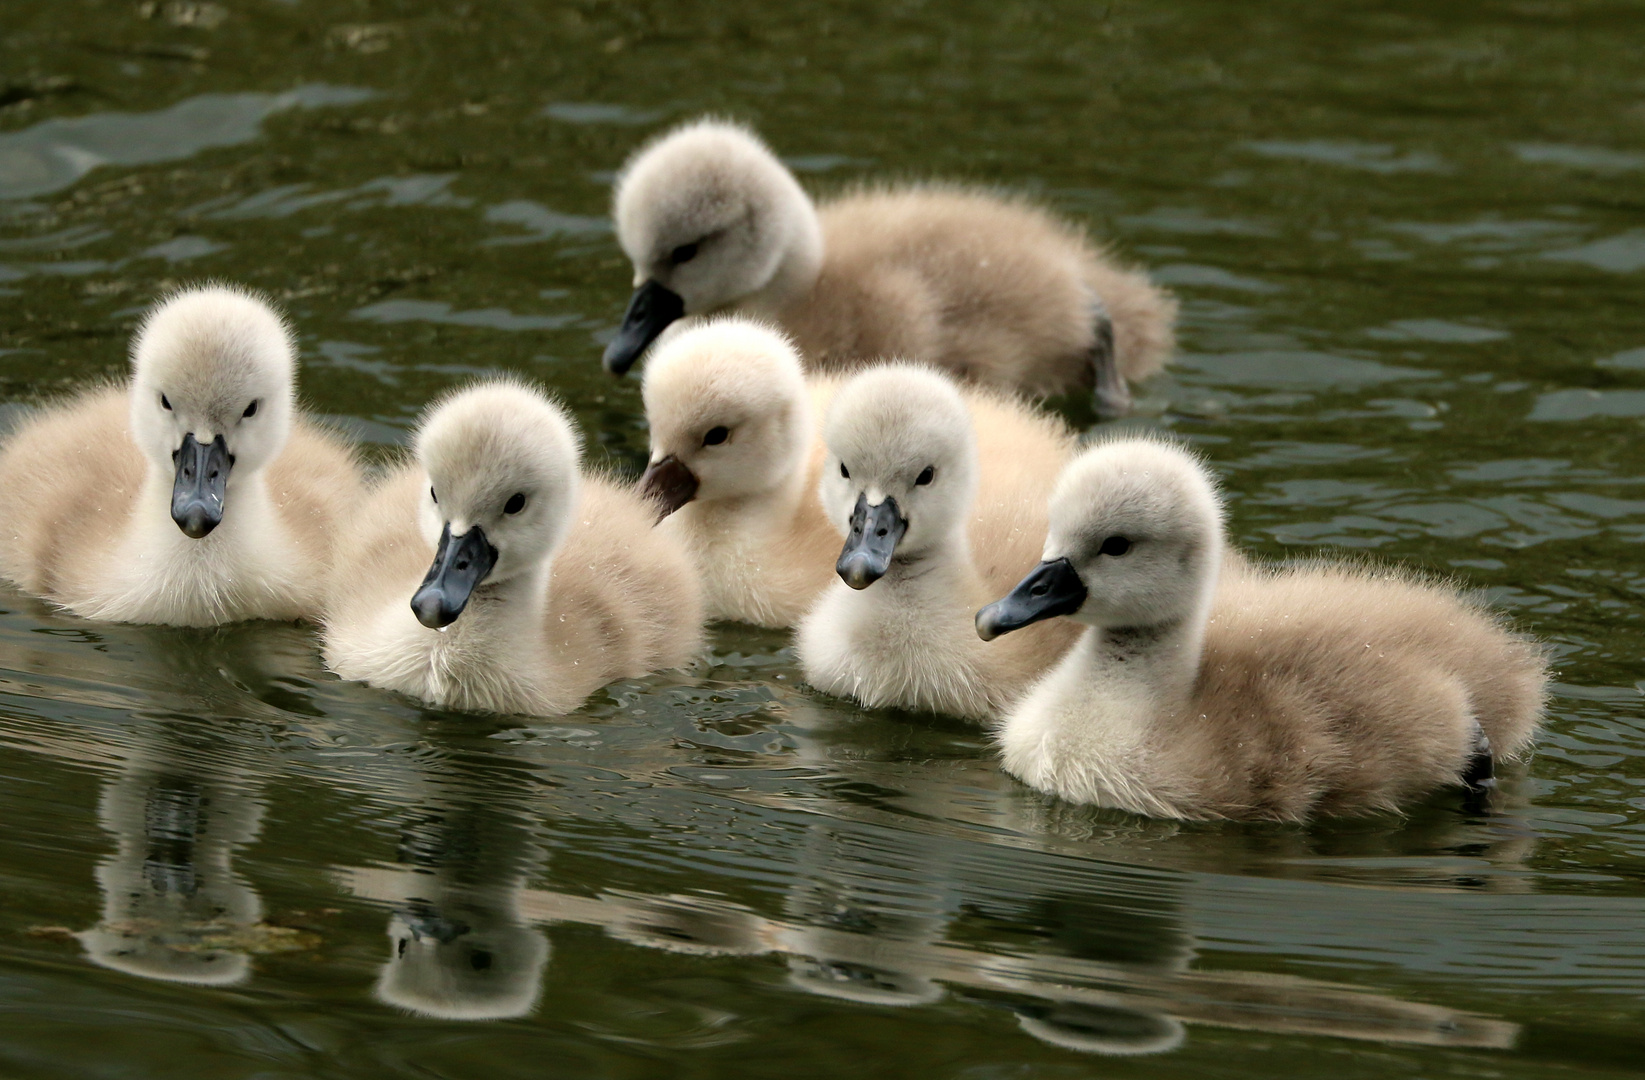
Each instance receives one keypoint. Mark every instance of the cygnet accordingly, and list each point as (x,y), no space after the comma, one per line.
(197,494)
(489,574)
(990,287)
(1204,687)
(901,484)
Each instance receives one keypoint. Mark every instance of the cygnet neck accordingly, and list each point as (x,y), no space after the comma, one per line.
(942,566)
(511,609)
(1161,658)
(798,269)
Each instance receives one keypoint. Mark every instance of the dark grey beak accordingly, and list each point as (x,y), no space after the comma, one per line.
(650,310)
(1054,588)
(875,532)
(460,565)
(670,483)
(427,923)
(197,493)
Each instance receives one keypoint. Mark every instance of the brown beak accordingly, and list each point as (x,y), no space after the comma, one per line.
(670,483)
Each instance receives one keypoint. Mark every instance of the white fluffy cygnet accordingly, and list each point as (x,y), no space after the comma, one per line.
(545,585)
(991,288)
(922,549)
(194,496)
(1203,687)
(734,465)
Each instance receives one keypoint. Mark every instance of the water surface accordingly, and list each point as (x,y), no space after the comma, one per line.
(1409,247)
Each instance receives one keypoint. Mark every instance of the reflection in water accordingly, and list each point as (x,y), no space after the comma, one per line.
(875,927)
(1098,1029)
(1141,932)
(844,889)
(173,907)
(459,946)
(1099,959)
(1097,975)
(183,789)
(1077,1003)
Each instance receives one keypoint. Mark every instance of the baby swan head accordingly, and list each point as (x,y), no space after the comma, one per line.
(901,470)
(729,413)
(502,464)
(1135,540)
(708,215)
(212,395)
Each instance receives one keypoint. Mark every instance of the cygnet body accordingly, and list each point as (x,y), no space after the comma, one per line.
(194,496)
(545,585)
(900,483)
(991,288)
(1203,687)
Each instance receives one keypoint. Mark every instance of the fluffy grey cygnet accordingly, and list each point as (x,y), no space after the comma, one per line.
(1204,687)
(990,287)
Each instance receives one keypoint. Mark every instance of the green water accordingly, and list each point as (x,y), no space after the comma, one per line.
(1409,240)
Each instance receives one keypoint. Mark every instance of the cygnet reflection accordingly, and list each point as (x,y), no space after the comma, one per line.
(685,924)
(459,946)
(182,796)
(1117,1031)
(459,955)
(872,914)
(1136,932)
(173,907)
(858,909)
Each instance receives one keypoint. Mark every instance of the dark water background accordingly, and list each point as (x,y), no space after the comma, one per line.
(1410,245)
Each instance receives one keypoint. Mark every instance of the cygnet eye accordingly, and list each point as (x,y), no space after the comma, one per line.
(716,436)
(516,503)
(1116,546)
(845,472)
(927,474)
(251,410)
(683,254)
(165,403)
(433,496)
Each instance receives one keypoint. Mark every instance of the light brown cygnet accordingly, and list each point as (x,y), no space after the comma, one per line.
(989,287)
(545,584)
(1205,687)
(194,496)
